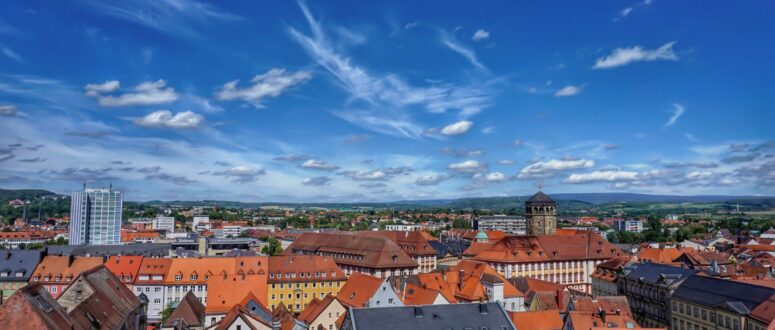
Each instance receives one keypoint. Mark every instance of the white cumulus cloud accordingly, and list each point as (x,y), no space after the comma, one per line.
(480,35)
(270,84)
(602,176)
(569,91)
(165,118)
(468,166)
(146,93)
(457,128)
(319,165)
(623,56)
(544,169)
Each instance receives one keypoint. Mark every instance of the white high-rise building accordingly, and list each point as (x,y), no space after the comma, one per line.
(95,217)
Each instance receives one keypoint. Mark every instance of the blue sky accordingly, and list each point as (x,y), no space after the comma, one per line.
(365,101)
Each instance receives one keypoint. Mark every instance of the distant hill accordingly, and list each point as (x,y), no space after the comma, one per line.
(9,194)
(565,201)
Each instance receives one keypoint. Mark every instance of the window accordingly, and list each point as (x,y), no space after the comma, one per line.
(390,301)
(157,301)
(53,289)
(157,289)
(178,277)
(193,277)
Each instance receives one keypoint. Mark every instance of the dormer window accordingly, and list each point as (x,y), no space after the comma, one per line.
(178,277)
(4,274)
(193,277)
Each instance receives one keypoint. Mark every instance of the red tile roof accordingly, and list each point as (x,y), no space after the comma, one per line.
(63,267)
(414,243)
(358,289)
(225,293)
(304,268)
(315,307)
(519,249)
(358,250)
(125,268)
(537,320)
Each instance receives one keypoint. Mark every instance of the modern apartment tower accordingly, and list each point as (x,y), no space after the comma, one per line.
(95,217)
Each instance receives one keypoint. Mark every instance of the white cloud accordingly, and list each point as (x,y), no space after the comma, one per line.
(457,128)
(106,87)
(241,174)
(495,177)
(678,111)
(464,51)
(624,56)
(372,175)
(488,130)
(146,93)
(8,110)
(699,175)
(480,35)
(548,168)
(431,180)
(468,166)
(569,91)
(319,165)
(629,10)
(506,162)
(165,119)
(602,176)
(270,84)
(12,55)
(316,181)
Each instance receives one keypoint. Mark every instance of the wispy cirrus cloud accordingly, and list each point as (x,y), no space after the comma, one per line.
(457,128)
(678,111)
(384,103)
(546,169)
(173,17)
(456,46)
(623,56)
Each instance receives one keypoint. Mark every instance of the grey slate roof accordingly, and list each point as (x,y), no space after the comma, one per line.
(138,249)
(734,296)
(454,246)
(14,261)
(489,316)
(659,273)
(540,197)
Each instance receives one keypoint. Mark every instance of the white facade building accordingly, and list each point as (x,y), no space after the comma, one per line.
(164,223)
(513,225)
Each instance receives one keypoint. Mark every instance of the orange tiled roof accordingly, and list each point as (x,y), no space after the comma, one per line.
(538,320)
(477,247)
(314,308)
(225,293)
(587,320)
(358,289)
(436,282)
(413,243)
(126,267)
(765,312)
(660,255)
(153,266)
(518,249)
(361,250)
(64,267)
(469,287)
(130,236)
(201,268)
(304,268)
(418,295)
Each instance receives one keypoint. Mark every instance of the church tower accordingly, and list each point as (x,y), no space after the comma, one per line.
(541,215)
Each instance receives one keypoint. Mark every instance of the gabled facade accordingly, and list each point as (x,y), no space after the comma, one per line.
(97,299)
(322,313)
(55,273)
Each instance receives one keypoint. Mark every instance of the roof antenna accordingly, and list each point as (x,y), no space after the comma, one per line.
(110,185)
(84,184)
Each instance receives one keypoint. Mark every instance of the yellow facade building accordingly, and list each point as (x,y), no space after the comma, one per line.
(295,279)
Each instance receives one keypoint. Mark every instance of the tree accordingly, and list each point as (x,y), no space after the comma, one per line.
(165,314)
(273,248)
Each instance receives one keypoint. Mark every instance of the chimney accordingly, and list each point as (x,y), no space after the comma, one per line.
(560,300)
(461,273)
(601,313)
(418,312)
(69,260)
